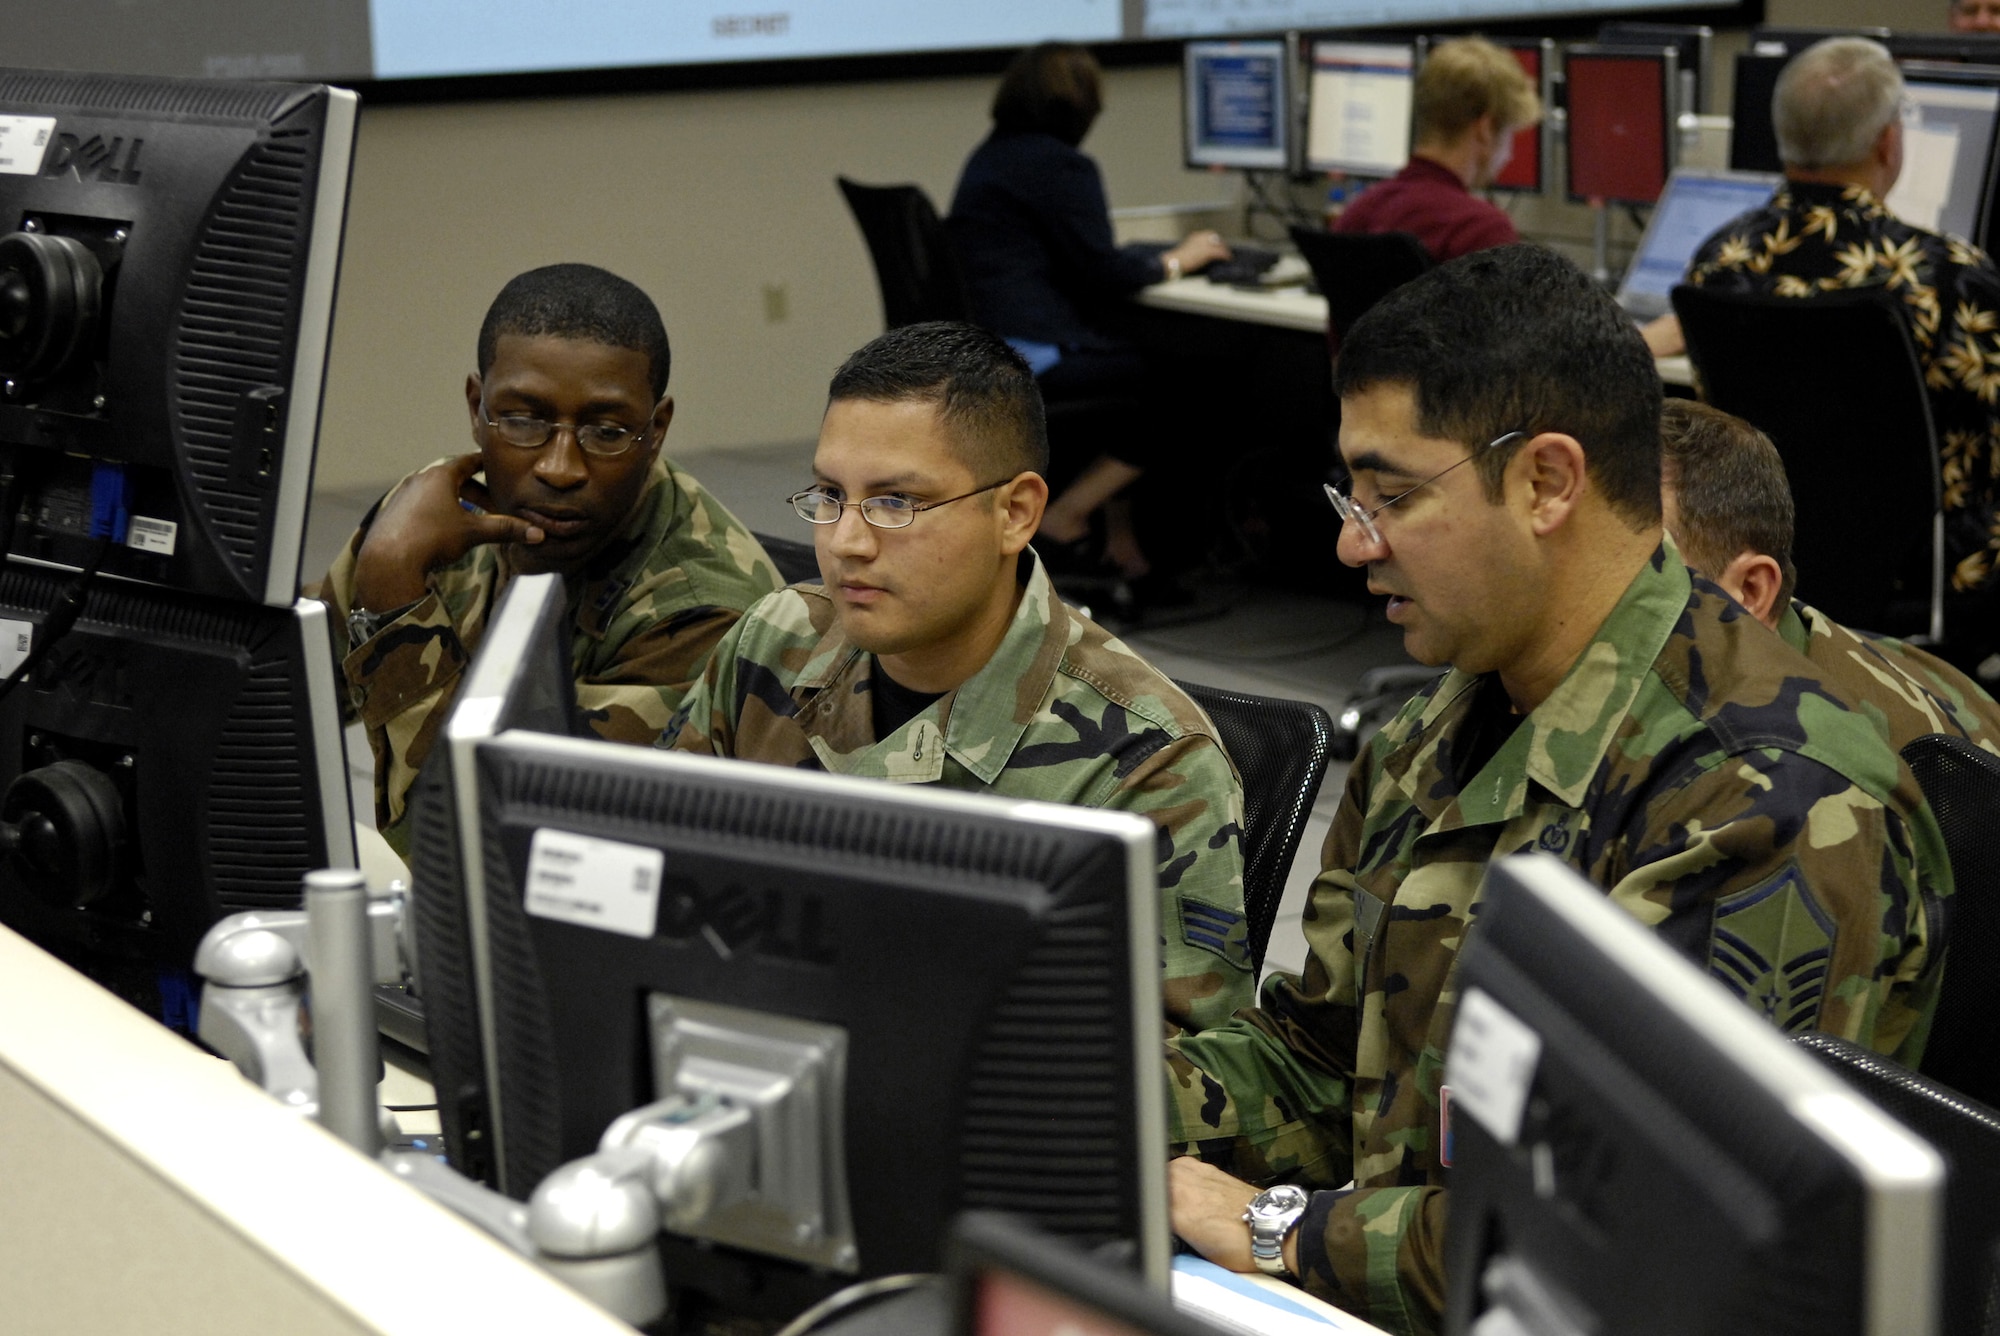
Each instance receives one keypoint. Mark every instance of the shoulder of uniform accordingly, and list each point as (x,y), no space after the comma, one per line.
(1101,662)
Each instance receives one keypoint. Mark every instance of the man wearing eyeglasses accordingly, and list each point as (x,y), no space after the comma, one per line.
(569,409)
(1500,419)
(936,651)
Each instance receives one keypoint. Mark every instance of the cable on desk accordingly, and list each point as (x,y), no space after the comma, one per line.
(852,1297)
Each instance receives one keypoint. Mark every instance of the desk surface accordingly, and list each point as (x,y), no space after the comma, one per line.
(1295,308)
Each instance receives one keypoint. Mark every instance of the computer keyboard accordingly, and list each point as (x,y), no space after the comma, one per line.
(1246,264)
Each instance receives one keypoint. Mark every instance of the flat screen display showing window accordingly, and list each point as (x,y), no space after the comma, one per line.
(1358,107)
(1236,105)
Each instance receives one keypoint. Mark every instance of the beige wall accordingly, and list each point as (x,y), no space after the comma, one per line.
(720,204)
(707,200)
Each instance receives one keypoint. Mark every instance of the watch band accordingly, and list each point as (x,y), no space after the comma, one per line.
(1272,1215)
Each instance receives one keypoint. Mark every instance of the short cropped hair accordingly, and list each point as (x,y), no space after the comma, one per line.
(1833,101)
(1518,339)
(1466,78)
(1729,488)
(1054,88)
(984,393)
(579,301)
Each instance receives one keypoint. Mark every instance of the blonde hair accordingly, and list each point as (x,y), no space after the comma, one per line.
(1470,77)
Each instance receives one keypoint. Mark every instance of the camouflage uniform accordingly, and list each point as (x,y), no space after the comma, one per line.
(1062,712)
(646,613)
(1903,690)
(1689,764)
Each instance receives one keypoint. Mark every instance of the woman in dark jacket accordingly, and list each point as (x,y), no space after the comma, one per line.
(1033,232)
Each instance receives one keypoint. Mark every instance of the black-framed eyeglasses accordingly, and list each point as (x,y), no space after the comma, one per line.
(816,505)
(1350,512)
(604,440)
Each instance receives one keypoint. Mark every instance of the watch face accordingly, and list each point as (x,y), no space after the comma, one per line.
(1284,1197)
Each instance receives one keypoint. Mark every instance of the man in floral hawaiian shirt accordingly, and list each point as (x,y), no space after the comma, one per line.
(1837,112)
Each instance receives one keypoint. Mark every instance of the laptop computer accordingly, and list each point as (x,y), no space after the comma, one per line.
(1695,206)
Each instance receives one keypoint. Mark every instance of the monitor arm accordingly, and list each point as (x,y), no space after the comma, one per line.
(592,1224)
(255,967)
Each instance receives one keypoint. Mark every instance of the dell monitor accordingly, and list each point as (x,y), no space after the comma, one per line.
(972,984)
(173,760)
(1635,1150)
(1237,105)
(1620,122)
(1950,130)
(1010,1279)
(1358,103)
(168,255)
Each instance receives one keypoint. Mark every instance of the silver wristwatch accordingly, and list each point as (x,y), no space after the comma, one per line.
(1272,1214)
(363,624)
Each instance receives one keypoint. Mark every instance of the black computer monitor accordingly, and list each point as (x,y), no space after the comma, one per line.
(1753,140)
(1008,1279)
(1525,164)
(1972,48)
(168,255)
(1358,103)
(1635,1150)
(987,972)
(1691,43)
(1620,121)
(1237,105)
(1951,151)
(175,759)
(520,678)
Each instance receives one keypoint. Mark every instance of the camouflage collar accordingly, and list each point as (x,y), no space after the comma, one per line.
(1795,626)
(982,721)
(599,589)
(1561,743)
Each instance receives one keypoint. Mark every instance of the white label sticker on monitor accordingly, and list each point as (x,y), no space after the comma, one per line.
(24,140)
(150,535)
(1491,1065)
(16,639)
(594,883)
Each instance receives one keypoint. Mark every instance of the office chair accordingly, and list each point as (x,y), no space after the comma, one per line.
(1869,545)
(1967,1134)
(1380,692)
(797,563)
(1962,785)
(1354,270)
(1281,748)
(915,266)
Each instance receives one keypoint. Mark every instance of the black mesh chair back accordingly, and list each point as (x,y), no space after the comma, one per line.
(1966,1133)
(915,265)
(1281,749)
(797,563)
(1834,381)
(1962,785)
(1354,270)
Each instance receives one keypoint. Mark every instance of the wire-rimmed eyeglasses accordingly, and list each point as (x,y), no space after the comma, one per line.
(816,505)
(1351,513)
(605,440)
